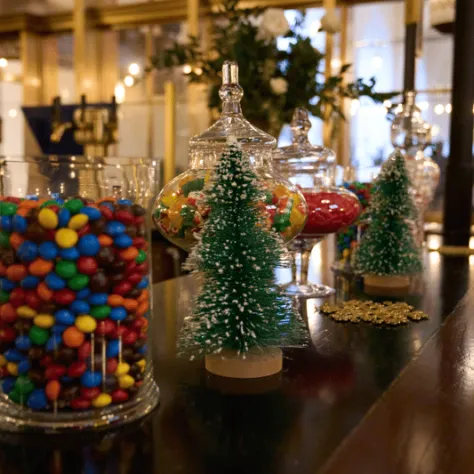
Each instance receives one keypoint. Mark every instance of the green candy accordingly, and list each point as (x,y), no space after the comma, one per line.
(8,208)
(78,282)
(100,312)
(74,206)
(4,296)
(17,397)
(38,335)
(281,222)
(66,269)
(140,258)
(194,185)
(51,202)
(187,213)
(24,385)
(4,239)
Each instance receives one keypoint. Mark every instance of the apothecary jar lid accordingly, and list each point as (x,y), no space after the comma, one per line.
(207,147)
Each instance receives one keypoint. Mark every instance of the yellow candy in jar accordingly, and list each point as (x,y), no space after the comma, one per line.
(12,369)
(3,361)
(122,369)
(78,221)
(26,312)
(169,199)
(86,323)
(280,191)
(66,238)
(44,321)
(297,217)
(103,400)
(126,381)
(48,218)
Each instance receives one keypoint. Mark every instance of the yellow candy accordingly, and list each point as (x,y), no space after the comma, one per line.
(44,321)
(12,368)
(126,381)
(86,323)
(141,363)
(78,221)
(297,218)
(3,361)
(26,312)
(279,191)
(103,400)
(66,238)
(48,218)
(169,199)
(122,369)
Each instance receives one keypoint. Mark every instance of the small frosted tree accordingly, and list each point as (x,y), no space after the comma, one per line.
(388,246)
(240,307)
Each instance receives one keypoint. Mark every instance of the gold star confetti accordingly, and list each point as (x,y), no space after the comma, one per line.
(388,313)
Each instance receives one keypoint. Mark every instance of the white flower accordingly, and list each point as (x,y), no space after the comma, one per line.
(273,24)
(279,85)
(183,35)
(330,22)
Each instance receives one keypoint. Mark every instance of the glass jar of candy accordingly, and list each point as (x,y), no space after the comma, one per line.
(330,208)
(180,209)
(75,298)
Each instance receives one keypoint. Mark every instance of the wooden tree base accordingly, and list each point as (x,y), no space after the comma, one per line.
(257,363)
(386,281)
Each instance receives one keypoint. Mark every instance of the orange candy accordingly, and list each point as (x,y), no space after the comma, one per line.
(115,300)
(105,240)
(72,337)
(17,272)
(144,296)
(16,240)
(130,305)
(40,267)
(142,308)
(7,313)
(28,204)
(44,292)
(129,254)
(22,211)
(52,389)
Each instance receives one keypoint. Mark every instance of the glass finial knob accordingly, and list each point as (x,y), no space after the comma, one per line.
(230,90)
(300,124)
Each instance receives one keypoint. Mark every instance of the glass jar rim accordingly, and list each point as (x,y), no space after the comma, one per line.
(81,160)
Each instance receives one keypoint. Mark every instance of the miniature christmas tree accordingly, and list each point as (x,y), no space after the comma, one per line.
(240,310)
(388,248)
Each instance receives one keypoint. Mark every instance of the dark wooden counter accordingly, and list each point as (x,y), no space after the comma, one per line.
(361,400)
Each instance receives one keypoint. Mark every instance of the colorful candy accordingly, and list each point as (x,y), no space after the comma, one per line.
(73,302)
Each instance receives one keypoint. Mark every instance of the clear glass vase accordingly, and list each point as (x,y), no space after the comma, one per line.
(180,209)
(75,304)
(330,207)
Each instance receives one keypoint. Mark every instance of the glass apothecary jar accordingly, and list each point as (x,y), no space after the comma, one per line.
(330,207)
(75,298)
(180,209)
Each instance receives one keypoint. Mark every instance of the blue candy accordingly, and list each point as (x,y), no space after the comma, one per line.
(143,349)
(143,283)
(8,384)
(24,366)
(125,201)
(58,328)
(83,294)
(109,205)
(91,212)
(12,355)
(89,245)
(91,379)
(23,343)
(113,348)
(98,298)
(6,223)
(63,217)
(37,399)
(54,282)
(7,285)
(115,228)
(32,197)
(19,224)
(118,314)
(80,307)
(30,282)
(66,379)
(54,342)
(69,254)
(48,250)
(123,241)
(27,251)
(64,316)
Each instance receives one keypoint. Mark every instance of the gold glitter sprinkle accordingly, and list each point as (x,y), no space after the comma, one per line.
(389,313)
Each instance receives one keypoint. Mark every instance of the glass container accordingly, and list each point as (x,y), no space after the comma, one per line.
(75,303)
(330,208)
(180,210)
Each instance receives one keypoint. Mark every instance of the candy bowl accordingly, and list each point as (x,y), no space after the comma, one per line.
(74,300)
(180,209)
(330,208)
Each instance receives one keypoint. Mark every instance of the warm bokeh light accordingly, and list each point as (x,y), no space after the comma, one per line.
(134,69)
(129,81)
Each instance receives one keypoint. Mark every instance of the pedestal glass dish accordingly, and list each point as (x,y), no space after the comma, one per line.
(75,303)
(180,209)
(330,208)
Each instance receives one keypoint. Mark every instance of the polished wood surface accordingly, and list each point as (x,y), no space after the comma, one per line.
(361,399)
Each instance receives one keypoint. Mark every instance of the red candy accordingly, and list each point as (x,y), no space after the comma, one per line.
(7,334)
(118,332)
(105,327)
(76,369)
(84,230)
(46,361)
(106,212)
(139,242)
(329,212)
(32,299)
(134,278)
(80,403)
(64,297)
(84,351)
(87,265)
(122,288)
(90,393)
(129,337)
(111,366)
(7,313)
(124,216)
(17,297)
(55,371)
(119,396)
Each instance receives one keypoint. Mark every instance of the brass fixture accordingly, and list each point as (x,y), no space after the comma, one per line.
(58,128)
(95,128)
